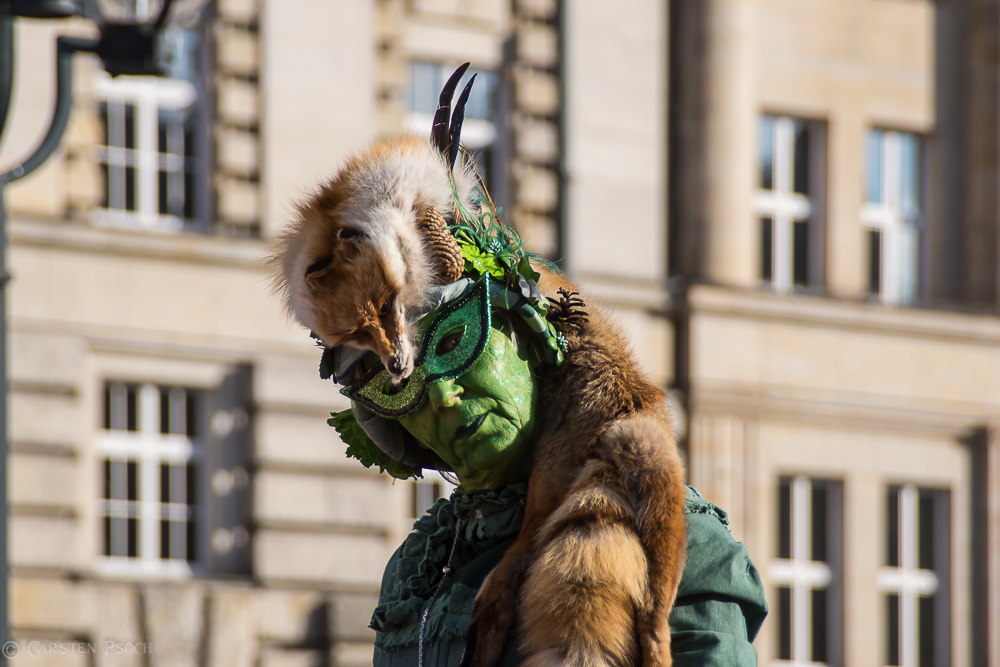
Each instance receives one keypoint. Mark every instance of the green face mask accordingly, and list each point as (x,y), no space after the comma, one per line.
(482,423)
(453,341)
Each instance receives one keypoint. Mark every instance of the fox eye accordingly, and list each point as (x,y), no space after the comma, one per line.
(450,342)
(348,233)
(384,310)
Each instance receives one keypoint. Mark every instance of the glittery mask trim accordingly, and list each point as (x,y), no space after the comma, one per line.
(467,318)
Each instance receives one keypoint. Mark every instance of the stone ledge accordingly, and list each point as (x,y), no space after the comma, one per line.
(201,248)
(845,314)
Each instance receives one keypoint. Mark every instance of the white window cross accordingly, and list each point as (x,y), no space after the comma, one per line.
(907,581)
(800,573)
(895,217)
(782,204)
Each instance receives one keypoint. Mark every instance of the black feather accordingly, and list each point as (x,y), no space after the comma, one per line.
(439,130)
(457,118)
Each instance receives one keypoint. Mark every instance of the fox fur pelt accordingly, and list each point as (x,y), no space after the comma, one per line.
(600,554)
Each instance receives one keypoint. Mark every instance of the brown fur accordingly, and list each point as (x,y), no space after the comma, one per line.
(602,548)
(332,264)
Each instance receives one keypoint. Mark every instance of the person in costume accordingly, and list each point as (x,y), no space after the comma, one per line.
(471,407)
(513,383)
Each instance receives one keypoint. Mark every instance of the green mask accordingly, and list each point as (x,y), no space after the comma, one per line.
(482,423)
(452,342)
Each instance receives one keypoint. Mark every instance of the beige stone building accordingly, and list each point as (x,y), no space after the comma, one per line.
(791,206)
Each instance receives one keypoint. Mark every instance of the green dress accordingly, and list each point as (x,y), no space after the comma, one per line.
(719,608)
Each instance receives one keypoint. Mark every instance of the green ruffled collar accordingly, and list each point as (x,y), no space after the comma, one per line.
(490,522)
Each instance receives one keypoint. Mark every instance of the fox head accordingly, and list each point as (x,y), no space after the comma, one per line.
(354,265)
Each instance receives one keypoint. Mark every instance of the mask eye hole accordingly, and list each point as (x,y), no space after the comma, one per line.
(450,341)
(384,310)
(391,389)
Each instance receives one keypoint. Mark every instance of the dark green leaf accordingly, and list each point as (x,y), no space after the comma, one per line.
(361,447)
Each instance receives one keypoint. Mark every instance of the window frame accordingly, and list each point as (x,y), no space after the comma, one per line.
(902,236)
(478,134)
(908,581)
(785,207)
(803,575)
(149,449)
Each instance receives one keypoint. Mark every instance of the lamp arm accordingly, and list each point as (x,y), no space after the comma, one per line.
(65,48)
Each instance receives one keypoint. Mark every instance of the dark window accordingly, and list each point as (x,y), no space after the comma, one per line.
(801,178)
(874,261)
(819,528)
(766,249)
(785,518)
(819,624)
(892,629)
(767,152)
(784,623)
(800,253)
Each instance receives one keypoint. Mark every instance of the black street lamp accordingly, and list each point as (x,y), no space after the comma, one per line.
(124,48)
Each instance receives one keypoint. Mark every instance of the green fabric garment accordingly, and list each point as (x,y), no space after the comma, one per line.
(719,608)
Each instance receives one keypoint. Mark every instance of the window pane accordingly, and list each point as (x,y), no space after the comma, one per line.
(164,538)
(192,533)
(164,483)
(800,253)
(766,249)
(892,629)
(133,538)
(819,603)
(910,174)
(819,522)
(925,521)
(191,495)
(801,166)
(892,528)
(164,192)
(129,188)
(784,624)
(925,638)
(190,414)
(766,139)
(785,519)
(873,167)
(107,537)
(874,261)
(129,126)
(132,470)
(424,87)
(482,98)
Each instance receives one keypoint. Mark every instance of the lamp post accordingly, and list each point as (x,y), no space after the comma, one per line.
(124,48)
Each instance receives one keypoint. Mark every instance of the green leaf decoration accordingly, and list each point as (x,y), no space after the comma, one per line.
(525,269)
(361,447)
(481,262)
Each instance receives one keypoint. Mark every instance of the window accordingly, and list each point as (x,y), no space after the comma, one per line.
(149,155)
(426,491)
(150,455)
(891,215)
(479,131)
(807,572)
(914,577)
(787,204)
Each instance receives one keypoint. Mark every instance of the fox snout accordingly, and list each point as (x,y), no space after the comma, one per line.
(400,364)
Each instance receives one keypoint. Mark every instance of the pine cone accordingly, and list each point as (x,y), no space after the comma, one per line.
(446,258)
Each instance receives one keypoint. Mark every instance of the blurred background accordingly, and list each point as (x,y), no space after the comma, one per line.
(791,205)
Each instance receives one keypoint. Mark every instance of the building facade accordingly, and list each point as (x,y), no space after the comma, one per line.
(833,232)
(790,207)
